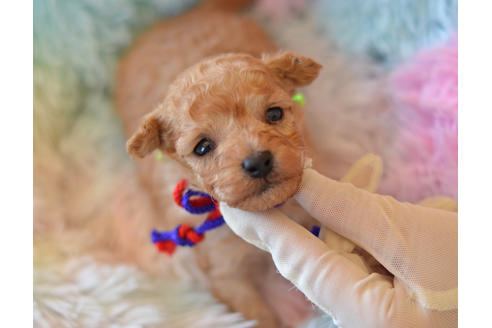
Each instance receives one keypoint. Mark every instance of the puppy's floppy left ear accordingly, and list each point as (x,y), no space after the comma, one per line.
(292,69)
(147,138)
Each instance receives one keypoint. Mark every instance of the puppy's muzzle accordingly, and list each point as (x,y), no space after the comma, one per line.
(259,165)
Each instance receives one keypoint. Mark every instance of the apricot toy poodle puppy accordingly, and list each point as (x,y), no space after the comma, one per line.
(213,93)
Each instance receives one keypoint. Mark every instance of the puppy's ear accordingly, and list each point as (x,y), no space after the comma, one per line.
(292,69)
(147,138)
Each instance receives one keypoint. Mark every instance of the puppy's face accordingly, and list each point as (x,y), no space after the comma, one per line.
(231,121)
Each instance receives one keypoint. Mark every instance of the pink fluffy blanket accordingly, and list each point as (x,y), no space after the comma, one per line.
(423,160)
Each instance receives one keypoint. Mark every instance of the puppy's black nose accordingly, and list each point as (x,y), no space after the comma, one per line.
(259,165)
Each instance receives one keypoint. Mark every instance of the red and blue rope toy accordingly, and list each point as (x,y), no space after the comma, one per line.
(194,202)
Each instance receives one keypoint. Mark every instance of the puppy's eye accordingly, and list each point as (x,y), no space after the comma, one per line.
(204,146)
(274,114)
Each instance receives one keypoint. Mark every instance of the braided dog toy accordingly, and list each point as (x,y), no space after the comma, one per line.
(195,202)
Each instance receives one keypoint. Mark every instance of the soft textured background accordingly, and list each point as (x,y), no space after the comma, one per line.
(389,86)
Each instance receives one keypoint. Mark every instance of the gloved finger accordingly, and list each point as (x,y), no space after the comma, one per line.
(331,281)
(415,243)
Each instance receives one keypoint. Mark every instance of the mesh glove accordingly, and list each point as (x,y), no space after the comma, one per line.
(416,244)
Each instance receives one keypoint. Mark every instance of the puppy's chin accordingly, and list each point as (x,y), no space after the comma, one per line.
(274,194)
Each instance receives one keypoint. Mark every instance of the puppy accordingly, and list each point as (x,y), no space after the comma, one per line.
(210,90)
(231,122)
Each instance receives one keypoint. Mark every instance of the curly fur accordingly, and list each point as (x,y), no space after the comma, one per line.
(225,99)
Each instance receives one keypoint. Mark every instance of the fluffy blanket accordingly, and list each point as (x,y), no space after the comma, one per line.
(389,86)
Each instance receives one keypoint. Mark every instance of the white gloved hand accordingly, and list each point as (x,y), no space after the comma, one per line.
(418,245)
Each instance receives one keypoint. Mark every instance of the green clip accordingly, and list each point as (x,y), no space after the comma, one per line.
(299,98)
(158,155)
